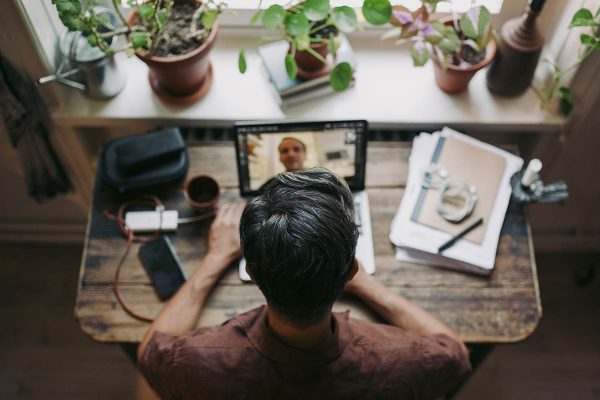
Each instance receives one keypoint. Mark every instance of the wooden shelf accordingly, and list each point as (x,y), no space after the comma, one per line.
(389,93)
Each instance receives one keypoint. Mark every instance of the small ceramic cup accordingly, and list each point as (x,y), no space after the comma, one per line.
(202,192)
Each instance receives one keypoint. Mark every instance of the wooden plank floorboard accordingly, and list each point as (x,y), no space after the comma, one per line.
(44,354)
(561,360)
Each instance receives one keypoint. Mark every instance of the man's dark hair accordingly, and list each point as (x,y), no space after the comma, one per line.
(299,240)
(291,138)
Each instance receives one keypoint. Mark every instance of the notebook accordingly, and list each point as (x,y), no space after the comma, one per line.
(339,146)
(458,157)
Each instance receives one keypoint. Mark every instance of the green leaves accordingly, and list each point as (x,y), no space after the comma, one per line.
(70,14)
(333,45)
(208,18)
(67,7)
(162,18)
(565,105)
(340,77)
(255,17)
(302,41)
(92,40)
(146,11)
(74,23)
(589,40)
(344,18)
(450,43)
(273,16)
(419,54)
(139,40)
(316,10)
(475,22)
(296,24)
(242,61)
(583,17)
(290,66)
(377,12)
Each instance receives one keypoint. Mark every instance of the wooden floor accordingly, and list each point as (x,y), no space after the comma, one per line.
(43,355)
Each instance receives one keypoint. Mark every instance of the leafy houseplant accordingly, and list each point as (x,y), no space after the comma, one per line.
(459,46)
(310,27)
(172,36)
(591,42)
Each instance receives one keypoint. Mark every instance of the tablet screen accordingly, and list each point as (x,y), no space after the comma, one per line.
(266,150)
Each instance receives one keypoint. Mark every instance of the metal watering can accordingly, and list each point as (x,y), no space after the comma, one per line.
(92,71)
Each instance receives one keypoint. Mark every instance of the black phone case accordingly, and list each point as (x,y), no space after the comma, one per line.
(163,266)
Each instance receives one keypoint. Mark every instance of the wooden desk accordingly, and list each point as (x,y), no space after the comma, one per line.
(504,307)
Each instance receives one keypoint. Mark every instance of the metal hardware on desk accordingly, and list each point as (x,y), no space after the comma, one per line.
(537,192)
(528,187)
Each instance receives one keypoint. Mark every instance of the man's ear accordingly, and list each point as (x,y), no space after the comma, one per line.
(249,272)
(354,269)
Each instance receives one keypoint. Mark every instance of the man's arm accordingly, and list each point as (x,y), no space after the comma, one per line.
(181,313)
(395,309)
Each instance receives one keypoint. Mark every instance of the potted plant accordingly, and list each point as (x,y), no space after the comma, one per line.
(173,37)
(459,47)
(310,27)
(583,18)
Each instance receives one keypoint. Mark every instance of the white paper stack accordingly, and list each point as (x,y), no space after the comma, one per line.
(417,242)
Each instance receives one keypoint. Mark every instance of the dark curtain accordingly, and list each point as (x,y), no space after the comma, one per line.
(24,115)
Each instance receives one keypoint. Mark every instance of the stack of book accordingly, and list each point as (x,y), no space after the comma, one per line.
(419,231)
(289,92)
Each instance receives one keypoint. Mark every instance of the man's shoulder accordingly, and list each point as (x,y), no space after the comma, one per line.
(231,334)
(390,343)
(392,356)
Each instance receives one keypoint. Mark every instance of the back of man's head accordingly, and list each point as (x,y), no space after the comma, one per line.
(299,240)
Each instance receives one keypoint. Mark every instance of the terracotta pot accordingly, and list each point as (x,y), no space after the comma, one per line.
(185,76)
(455,79)
(309,63)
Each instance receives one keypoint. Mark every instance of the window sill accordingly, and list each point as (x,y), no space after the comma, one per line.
(389,92)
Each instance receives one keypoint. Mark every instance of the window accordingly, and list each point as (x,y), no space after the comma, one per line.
(242,10)
(459,5)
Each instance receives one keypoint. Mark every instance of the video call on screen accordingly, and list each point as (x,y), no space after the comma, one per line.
(268,154)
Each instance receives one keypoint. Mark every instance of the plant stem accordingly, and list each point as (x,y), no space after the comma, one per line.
(316,55)
(157,30)
(550,92)
(583,57)
(318,28)
(116,4)
(119,31)
(197,14)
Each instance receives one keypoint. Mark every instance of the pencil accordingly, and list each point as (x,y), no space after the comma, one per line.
(459,235)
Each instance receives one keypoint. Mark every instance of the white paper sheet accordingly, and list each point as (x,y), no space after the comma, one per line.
(419,243)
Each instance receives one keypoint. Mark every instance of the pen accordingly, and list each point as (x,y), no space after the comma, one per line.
(459,235)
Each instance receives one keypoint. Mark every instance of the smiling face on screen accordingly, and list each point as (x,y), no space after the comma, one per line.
(292,153)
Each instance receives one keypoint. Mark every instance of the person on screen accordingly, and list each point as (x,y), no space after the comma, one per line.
(292,153)
(299,240)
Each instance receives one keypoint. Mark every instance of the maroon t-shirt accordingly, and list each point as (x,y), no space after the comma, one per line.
(242,359)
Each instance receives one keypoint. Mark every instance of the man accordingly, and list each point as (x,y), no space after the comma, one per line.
(292,153)
(299,240)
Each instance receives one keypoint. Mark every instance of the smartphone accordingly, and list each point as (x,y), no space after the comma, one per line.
(163,266)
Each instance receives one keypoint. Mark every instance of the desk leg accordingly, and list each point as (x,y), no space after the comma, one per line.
(130,350)
(477,355)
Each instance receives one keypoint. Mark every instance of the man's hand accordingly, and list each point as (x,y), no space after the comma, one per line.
(224,234)
(181,313)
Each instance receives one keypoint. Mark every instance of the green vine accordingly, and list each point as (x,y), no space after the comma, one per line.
(582,18)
